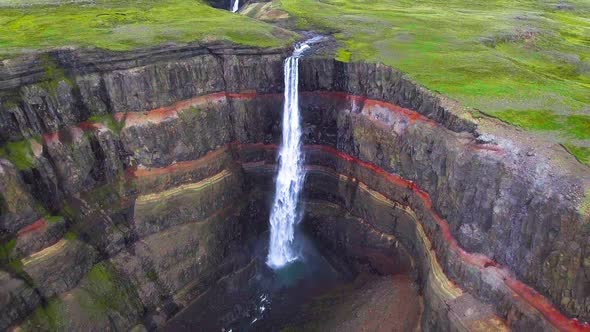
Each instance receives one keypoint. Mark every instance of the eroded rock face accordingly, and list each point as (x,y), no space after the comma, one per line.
(145,168)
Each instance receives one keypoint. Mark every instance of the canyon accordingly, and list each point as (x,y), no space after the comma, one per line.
(131,179)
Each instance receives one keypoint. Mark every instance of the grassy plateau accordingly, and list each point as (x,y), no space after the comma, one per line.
(124,25)
(525,62)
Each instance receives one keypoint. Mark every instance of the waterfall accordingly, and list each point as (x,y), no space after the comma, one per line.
(284,215)
(235,6)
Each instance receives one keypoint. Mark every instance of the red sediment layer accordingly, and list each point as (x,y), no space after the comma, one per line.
(54,137)
(245,95)
(546,307)
(51,137)
(411,115)
(177,167)
(163,113)
(37,225)
(525,292)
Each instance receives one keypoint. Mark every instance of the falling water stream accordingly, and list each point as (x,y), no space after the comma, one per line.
(295,283)
(284,213)
(235,5)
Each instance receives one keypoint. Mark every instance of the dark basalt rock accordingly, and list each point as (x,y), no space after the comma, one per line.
(161,199)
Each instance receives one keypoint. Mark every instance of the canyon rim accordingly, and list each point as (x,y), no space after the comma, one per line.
(214,165)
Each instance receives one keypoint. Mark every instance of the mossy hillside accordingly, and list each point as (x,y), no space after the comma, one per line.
(11,264)
(575,127)
(100,297)
(47,317)
(19,153)
(107,292)
(124,25)
(581,153)
(495,56)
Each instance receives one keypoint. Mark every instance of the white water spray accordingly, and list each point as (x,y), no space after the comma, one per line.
(235,6)
(284,215)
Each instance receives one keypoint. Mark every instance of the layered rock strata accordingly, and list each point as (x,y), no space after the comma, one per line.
(134,174)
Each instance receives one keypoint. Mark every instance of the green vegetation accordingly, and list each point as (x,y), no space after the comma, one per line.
(53,75)
(70,236)
(10,263)
(68,211)
(124,25)
(530,119)
(579,126)
(100,283)
(47,317)
(525,62)
(151,275)
(575,126)
(53,219)
(109,120)
(5,250)
(581,153)
(19,153)
(3,205)
(97,296)
(520,61)
(101,291)
(191,115)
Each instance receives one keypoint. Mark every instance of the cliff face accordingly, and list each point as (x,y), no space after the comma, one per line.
(135,173)
(43,94)
(499,198)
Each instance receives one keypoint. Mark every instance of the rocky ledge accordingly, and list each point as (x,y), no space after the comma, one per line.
(105,156)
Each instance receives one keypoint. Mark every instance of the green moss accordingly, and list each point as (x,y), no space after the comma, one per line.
(573,126)
(343,55)
(19,153)
(53,219)
(190,115)
(10,263)
(151,275)
(10,99)
(106,292)
(126,24)
(3,207)
(581,153)
(70,236)
(5,251)
(109,120)
(578,126)
(48,317)
(68,211)
(531,119)
(475,114)
(53,75)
